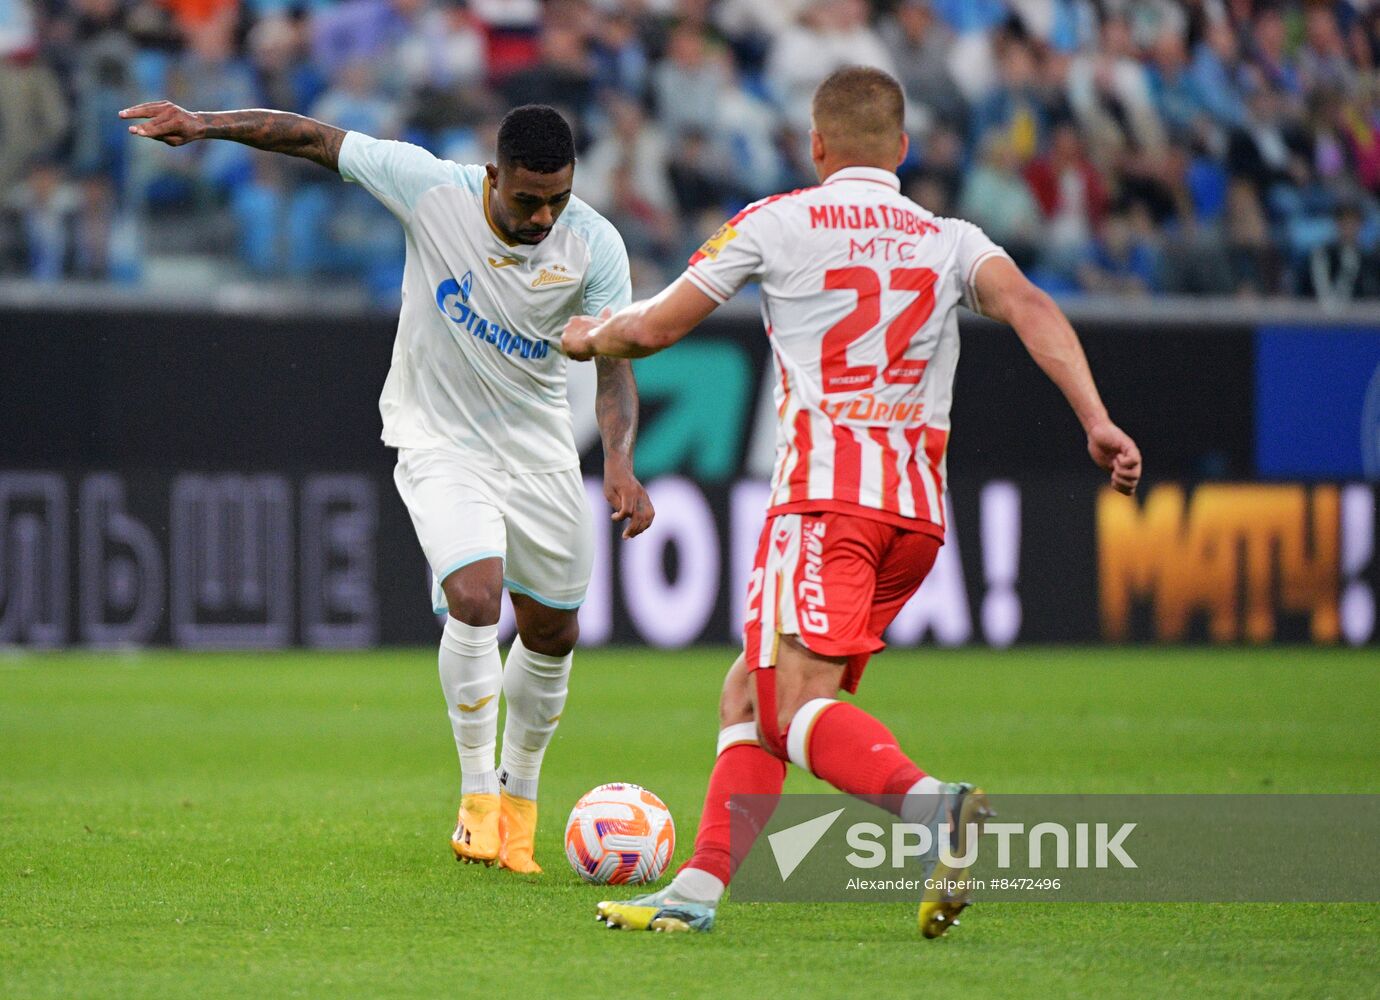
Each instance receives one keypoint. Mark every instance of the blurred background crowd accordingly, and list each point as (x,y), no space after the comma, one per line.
(1218,147)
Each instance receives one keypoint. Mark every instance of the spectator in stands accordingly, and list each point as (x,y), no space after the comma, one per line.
(1015,109)
(261,208)
(998,199)
(1270,56)
(92,227)
(355,104)
(928,190)
(210,74)
(1028,114)
(1253,263)
(761,20)
(33,113)
(744,138)
(444,49)
(362,31)
(687,84)
(1071,195)
(1266,151)
(1218,75)
(285,76)
(699,182)
(752,26)
(1325,140)
(828,35)
(919,48)
(1173,89)
(1364,40)
(620,59)
(102,82)
(1342,270)
(941,159)
(1358,122)
(626,176)
(1150,20)
(563,76)
(442,72)
(1123,259)
(1109,91)
(1323,61)
(46,207)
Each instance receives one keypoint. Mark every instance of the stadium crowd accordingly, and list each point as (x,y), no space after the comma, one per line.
(1227,147)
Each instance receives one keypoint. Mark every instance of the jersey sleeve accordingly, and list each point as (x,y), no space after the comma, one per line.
(609,285)
(974,248)
(396,173)
(729,259)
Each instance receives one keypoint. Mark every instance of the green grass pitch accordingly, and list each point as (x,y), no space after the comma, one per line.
(276,825)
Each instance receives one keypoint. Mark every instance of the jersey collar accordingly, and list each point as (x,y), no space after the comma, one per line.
(871,175)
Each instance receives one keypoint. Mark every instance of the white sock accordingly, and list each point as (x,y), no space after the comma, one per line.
(695,886)
(922,802)
(471,675)
(534,686)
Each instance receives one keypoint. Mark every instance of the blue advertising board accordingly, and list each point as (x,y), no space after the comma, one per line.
(1318,403)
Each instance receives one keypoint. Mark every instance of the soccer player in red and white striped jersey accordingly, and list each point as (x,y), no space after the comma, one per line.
(859,292)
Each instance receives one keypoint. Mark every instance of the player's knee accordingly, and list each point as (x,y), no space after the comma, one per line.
(734,709)
(474,602)
(785,714)
(772,737)
(735,701)
(552,636)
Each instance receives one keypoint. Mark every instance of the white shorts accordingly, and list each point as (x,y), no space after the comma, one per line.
(538,524)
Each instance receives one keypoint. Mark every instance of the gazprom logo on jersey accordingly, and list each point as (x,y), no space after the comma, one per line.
(452,298)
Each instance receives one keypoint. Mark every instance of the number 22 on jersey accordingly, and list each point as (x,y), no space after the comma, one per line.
(837,373)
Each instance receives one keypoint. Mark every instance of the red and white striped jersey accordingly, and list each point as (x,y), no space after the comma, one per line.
(859,291)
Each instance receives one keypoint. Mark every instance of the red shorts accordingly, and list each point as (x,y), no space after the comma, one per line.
(835,581)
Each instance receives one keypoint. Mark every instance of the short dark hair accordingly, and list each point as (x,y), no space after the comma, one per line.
(859,106)
(535,136)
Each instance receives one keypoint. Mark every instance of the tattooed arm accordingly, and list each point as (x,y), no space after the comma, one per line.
(275,131)
(615,406)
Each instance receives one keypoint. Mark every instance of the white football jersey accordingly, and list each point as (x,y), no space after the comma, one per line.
(859,291)
(477,368)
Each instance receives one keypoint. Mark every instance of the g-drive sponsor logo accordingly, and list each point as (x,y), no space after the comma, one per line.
(452,298)
(1046,846)
(813,616)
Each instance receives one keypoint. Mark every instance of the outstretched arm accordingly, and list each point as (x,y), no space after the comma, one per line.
(642,328)
(1005,294)
(275,131)
(615,406)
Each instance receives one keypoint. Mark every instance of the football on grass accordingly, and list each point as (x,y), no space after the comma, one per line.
(620,834)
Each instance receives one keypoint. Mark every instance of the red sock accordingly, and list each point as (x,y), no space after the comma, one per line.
(855,753)
(742,769)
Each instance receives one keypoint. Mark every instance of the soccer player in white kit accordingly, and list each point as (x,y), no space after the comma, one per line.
(499,257)
(859,291)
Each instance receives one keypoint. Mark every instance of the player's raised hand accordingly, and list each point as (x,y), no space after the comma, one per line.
(577,340)
(628,498)
(165,122)
(1113,450)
